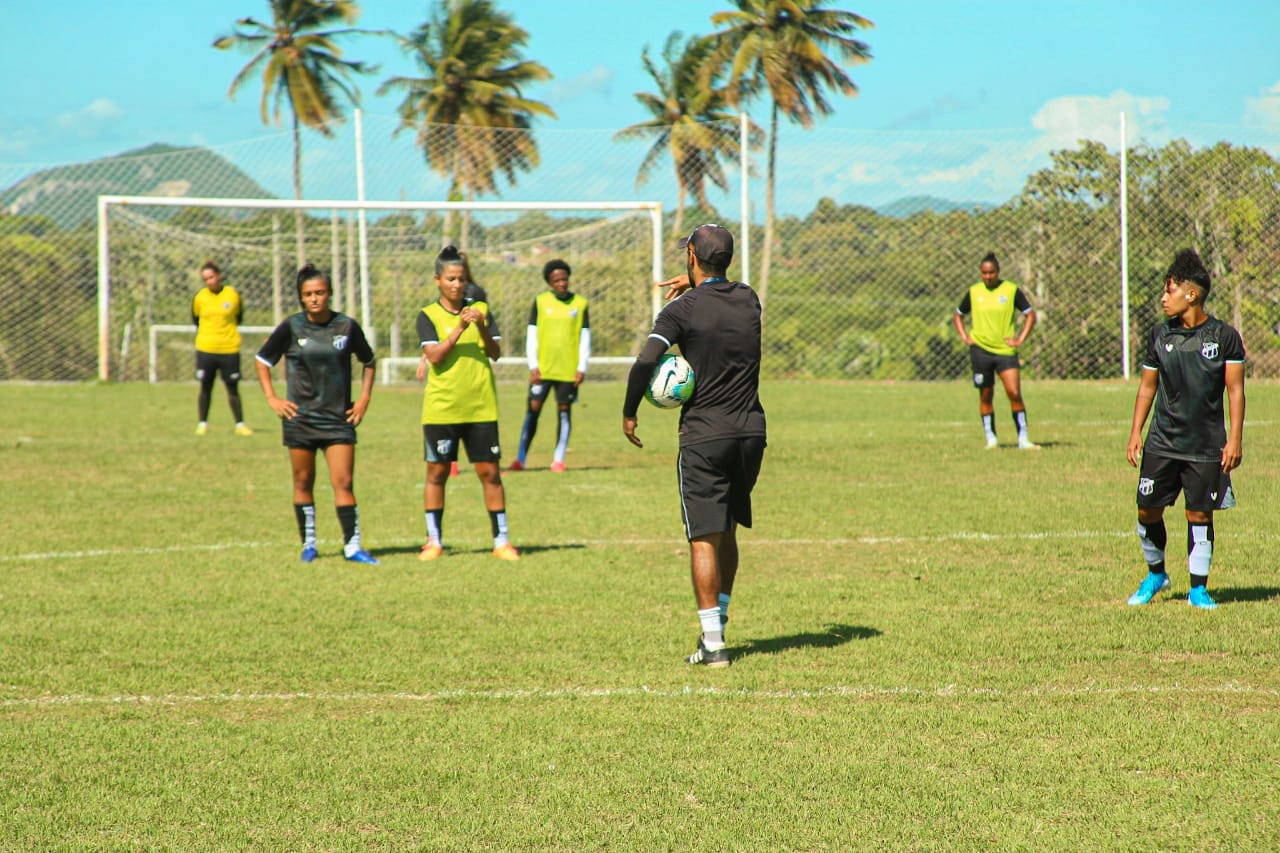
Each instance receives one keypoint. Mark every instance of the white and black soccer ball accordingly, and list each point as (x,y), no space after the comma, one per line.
(671,384)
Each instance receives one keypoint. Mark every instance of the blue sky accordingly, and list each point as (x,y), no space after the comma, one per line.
(86,78)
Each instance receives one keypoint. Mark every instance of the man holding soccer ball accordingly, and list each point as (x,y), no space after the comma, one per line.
(716,324)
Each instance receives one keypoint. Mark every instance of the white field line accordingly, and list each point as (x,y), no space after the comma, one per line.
(948,691)
(960,536)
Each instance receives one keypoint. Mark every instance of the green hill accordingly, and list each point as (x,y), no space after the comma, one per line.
(69,194)
(911,205)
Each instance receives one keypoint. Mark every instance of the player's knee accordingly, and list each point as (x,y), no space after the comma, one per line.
(1150,514)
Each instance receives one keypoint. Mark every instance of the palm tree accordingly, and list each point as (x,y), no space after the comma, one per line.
(778,46)
(690,120)
(473,121)
(301,64)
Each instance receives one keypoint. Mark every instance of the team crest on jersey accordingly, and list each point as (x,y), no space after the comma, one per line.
(573,312)
(339,342)
(1209,349)
(226,306)
(302,342)
(1146,485)
(1168,347)
(1003,299)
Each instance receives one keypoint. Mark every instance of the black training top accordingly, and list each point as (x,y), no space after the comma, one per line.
(318,365)
(1192,363)
(717,327)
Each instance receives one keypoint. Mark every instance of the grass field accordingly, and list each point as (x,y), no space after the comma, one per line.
(931,645)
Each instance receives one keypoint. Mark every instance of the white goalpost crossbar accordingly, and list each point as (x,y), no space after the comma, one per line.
(105,202)
(189,330)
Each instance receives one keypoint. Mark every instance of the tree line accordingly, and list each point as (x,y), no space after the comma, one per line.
(858,294)
(471,73)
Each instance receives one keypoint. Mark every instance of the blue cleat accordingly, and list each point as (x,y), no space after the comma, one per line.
(361,556)
(1151,584)
(1199,597)
(309,554)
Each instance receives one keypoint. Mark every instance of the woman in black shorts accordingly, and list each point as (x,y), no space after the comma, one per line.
(318,413)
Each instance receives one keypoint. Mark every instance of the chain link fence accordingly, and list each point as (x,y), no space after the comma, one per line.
(878,234)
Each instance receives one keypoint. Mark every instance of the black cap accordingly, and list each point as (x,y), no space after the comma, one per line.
(712,244)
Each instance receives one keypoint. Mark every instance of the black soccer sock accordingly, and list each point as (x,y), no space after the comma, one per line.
(306,515)
(206,394)
(498,523)
(349,518)
(435,525)
(1020,423)
(527,432)
(563,427)
(233,397)
(1153,537)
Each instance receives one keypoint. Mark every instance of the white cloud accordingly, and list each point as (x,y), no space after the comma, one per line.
(597,81)
(89,120)
(1264,110)
(1067,120)
(863,173)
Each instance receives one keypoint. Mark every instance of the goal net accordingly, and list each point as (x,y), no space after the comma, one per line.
(381,258)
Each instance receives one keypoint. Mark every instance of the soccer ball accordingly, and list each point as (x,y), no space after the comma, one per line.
(671,384)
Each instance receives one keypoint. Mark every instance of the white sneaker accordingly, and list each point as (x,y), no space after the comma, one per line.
(992,443)
(1025,444)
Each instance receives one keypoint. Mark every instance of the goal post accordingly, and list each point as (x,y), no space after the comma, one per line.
(149,248)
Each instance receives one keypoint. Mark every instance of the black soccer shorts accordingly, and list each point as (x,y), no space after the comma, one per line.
(566,392)
(208,364)
(440,442)
(987,365)
(716,479)
(1204,487)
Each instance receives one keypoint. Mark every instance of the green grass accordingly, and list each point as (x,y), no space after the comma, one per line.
(932,649)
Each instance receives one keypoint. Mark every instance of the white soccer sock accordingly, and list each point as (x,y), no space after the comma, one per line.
(562,438)
(712,637)
(1199,549)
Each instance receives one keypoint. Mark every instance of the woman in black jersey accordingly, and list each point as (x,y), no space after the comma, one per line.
(318,413)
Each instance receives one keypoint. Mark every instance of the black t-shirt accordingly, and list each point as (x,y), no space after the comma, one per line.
(1189,411)
(318,365)
(717,327)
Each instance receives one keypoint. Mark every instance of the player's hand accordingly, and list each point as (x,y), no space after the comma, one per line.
(677,284)
(629,430)
(1134,450)
(355,414)
(472,315)
(578,376)
(1232,456)
(421,372)
(1013,342)
(285,409)
(535,377)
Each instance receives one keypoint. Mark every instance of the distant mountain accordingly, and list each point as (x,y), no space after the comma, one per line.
(904,207)
(69,194)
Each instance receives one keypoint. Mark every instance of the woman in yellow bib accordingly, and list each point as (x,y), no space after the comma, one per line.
(993,346)
(460,405)
(216,310)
